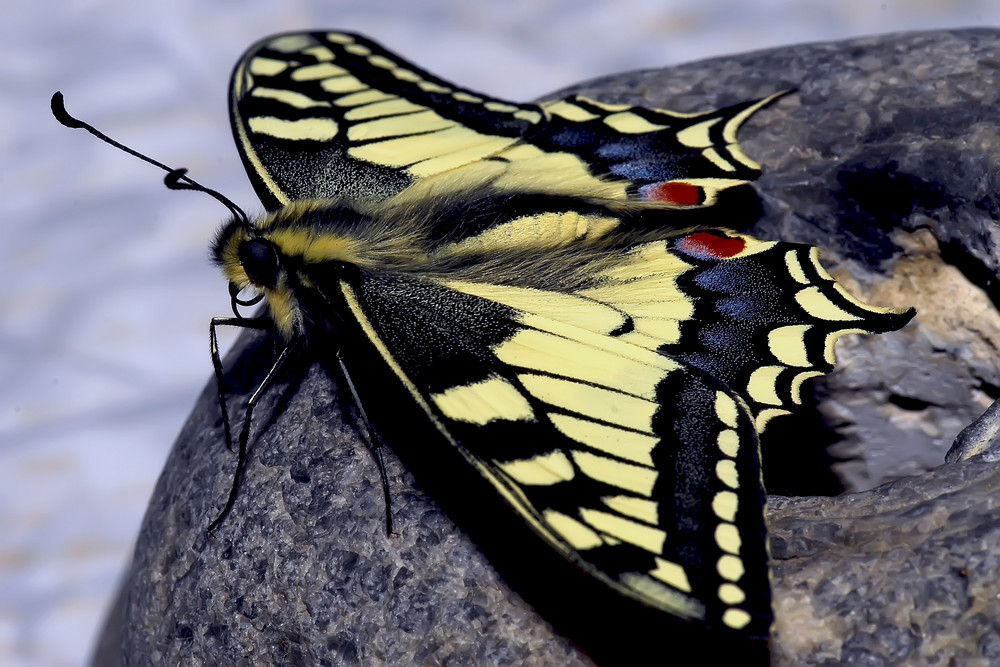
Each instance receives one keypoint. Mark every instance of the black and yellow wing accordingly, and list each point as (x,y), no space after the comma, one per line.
(330,115)
(660,499)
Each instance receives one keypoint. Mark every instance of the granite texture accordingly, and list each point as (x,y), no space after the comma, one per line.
(902,574)
(885,158)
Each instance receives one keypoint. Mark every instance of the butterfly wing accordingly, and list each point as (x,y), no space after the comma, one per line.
(641,468)
(333,115)
(642,471)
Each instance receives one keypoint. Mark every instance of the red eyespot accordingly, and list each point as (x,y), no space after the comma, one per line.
(673,192)
(706,245)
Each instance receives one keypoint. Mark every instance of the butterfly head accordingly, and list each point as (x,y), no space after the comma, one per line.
(246,258)
(250,261)
(275,255)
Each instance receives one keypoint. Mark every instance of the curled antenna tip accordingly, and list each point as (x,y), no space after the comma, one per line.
(58,105)
(176,179)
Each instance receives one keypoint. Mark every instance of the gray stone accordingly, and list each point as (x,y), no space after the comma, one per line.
(885,158)
(980,438)
(903,574)
(303,572)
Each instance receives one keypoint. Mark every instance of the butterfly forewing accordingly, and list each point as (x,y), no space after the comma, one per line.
(333,115)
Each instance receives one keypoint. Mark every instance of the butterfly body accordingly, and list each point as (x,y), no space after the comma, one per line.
(554,288)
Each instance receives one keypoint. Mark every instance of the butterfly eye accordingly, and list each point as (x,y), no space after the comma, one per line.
(260,261)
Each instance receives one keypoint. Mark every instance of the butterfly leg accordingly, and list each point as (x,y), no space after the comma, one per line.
(261,323)
(256,323)
(376,446)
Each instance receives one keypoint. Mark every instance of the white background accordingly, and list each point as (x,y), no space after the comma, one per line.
(105,287)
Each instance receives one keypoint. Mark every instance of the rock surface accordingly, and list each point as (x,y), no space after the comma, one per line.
(885,158)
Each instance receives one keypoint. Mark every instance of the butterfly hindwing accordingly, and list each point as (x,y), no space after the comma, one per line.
(643,471)
(334,115)
(765,318)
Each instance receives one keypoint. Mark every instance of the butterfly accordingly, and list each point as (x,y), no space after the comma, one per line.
(557,292)
(542,282)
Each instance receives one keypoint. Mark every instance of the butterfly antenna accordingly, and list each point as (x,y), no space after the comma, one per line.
(176,179)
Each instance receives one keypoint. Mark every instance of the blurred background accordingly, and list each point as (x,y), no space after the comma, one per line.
(105,287)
